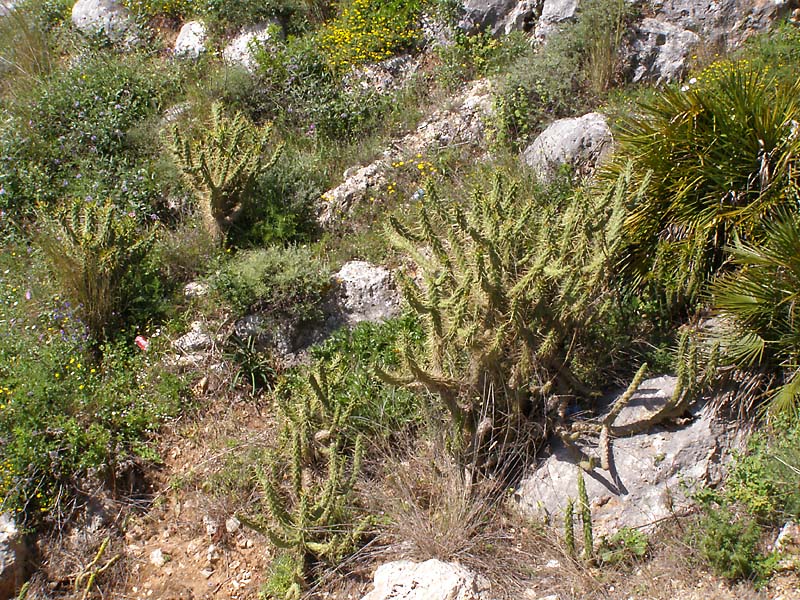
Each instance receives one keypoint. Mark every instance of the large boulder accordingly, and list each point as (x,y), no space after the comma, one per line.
(486,15)
(661,51)
(430,580)
(365,292)
(104,17)
(653,474)
(12,558)
(240,50)
(580,143)
(191,41)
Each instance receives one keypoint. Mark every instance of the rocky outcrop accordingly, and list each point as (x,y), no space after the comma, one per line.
(191,41)
(664,42)
(580,144)
(364,292)
(12,557)
(661,51)
(240,50)
(359,292)
(461,125)
(486,15)
(104,17)
(430,580)
(654,473)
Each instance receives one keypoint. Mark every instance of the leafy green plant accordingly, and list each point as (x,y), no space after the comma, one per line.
(625,546)
(757,305)
(284,281)
(64,411)
(511,283)
(68,136)
(764,478)
(91,250)
(221,166)
(721,160)
(728,542)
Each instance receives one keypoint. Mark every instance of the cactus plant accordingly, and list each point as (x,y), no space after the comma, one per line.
(569,527)
(221,167)
(312,519)
(586,518)
(511,287)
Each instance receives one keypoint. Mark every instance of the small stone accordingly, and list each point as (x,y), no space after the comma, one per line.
(211,525)
(207,573)
(212,554)
(232,525)
(157,558)
(552,564)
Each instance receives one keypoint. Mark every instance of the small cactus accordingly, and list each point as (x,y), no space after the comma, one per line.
(569,527)
(586,518)
(221,167)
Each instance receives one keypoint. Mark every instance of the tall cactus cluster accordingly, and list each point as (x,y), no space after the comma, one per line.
(91,249)
(510,285)
(308,496)
(221,167)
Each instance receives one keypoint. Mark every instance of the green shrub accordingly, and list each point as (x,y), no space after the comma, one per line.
(370,31)
(729,543)
(721,161)
(94,255)
(287,281)
(304,93)
(378,408)
(576,67)
(63,411)
(764,479)
(70,136)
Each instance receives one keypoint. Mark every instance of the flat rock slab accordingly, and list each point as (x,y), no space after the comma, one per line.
(429,580)
(655,472)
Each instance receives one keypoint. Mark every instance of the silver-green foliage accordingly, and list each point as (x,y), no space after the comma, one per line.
(509,285)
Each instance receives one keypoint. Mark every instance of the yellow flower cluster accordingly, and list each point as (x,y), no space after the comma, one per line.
(152,8)
(369,31)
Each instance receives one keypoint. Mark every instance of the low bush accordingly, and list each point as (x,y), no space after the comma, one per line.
(370,31)
(70,137)
(286,281)
(65,413)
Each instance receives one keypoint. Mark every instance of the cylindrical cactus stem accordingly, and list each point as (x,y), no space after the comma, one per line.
(569,527)
(586,518)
